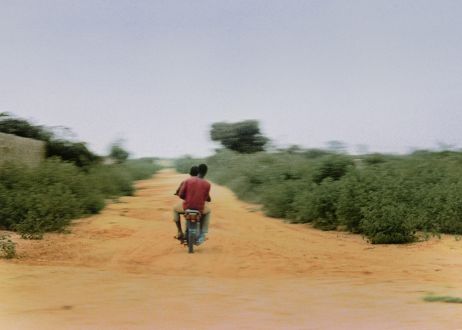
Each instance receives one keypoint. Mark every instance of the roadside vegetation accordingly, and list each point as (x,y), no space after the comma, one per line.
(386,198)
(69,184)
(7,247)
(446,299)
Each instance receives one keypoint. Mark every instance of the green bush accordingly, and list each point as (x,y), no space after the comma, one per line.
(43,199)
(333,167)
(223,166)
(184,164)
(351,199)
(325,205)
(388,199)
(7,247)
(374,159)
(112,180)
(79,183)
(387,220)
(388,225)
(75,152)
(140,169)
(278,199)
(446,299)
(317,204)
(49,208)
(72,182)
(441,209)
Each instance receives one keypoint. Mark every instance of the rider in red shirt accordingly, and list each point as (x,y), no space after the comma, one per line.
(195,192)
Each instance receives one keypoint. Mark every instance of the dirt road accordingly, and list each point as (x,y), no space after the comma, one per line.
(121,269)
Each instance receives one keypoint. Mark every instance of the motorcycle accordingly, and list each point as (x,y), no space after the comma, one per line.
(193,229)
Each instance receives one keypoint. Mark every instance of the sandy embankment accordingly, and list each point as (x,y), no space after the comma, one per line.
(122,269)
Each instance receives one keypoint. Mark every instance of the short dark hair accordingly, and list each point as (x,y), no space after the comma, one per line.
(194,171)
(203,169)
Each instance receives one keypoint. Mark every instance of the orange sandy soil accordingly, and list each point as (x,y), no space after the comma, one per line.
(121,269)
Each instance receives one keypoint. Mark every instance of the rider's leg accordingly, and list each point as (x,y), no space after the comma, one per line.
(205,221)
(177,210)
(205,224)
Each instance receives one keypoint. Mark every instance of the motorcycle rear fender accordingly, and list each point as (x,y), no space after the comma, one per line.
(192,215)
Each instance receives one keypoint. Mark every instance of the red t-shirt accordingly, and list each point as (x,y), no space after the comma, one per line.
(195,192)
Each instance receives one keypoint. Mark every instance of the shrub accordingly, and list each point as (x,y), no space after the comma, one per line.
(140,169)
(442,208)
(388,199)
(388,223)
(302,209)
(49,208)
(112,180)
(374,159)
(7,247)
(446,299)
(388,207)
(38,200)
(351,199)
(79,183)
(333,167)
(75,152)
(184,164)
(278,199)
(317,204)
(325,205)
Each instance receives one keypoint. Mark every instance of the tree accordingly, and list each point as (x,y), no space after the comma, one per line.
(243,137)
(118,153)
(21,127)
(75,152)
(337,146)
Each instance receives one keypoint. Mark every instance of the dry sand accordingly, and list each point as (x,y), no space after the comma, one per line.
(121,269)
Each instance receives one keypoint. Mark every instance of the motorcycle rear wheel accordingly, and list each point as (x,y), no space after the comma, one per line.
(191,240)
(191,236)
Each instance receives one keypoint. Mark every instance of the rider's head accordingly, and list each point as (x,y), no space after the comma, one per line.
(202,170)
(194,171)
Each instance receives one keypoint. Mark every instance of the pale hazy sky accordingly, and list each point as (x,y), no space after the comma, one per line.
(387,74)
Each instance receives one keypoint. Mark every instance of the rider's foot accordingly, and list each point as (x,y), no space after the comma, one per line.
(179,236)
(200,239)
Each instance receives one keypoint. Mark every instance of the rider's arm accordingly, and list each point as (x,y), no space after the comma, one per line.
(179,188)
(183,190)
(208,195)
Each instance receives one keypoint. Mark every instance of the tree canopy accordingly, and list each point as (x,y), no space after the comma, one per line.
(118,153)
(21,127)
(243,136)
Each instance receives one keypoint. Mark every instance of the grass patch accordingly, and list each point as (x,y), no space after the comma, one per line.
(446,299)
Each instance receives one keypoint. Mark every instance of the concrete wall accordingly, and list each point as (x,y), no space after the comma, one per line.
(19,149)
